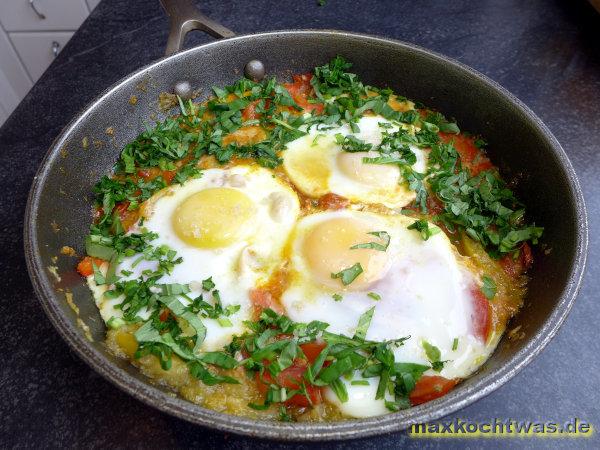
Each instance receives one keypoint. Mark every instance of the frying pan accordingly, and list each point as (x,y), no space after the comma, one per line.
(59,205)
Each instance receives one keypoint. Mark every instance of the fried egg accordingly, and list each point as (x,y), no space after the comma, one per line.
(420,289)
(230,225)
(317,165)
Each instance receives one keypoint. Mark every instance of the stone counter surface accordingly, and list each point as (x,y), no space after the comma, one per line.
(547,52)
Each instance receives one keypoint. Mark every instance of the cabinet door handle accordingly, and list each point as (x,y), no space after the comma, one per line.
(37,11)
(55,48)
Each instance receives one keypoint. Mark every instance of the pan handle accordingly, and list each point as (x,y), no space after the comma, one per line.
(185,17)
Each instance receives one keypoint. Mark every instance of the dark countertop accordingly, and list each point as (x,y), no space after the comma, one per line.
(547,52)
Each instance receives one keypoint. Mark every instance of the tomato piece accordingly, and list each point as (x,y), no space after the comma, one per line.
(526,256)
(482,164)
(434,205)
(128,218)
(153,172)
(510,265)
(430,387)
(164,315)
(263,299)
(148,174)
(481,316)
(85,266)
(470,155)
(98,213)
(312,350)
(168,175)
(301,91)
(249,112)
(333,201)
(515,267)
(262,383)
(464,145)
(291,378)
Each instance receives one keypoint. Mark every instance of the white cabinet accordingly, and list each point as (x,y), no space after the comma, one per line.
(14,80)
(12,68)
(3,115)
(37,50)
(36,15)
(32,32)
(92,4)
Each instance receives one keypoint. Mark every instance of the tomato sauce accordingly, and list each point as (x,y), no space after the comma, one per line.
(303,93)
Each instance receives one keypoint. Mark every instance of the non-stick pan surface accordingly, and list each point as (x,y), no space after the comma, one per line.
(59,208)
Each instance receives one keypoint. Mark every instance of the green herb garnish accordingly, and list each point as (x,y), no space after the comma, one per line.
(433,354)
(488,288)
(383,235)
(348,275)
(425,229)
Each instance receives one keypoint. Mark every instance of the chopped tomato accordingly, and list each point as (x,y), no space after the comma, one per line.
(333,201)
(312,350)
(515,267)
(168,175)
(263,299)
(481,165)
(164,315)
(98,213)
(434,205)
(148,174)
(249,112)
(510,265)
(85,267)
(430,387)
(526,256)
(128,218)
(291,378)
(481,316)
(153,172)
(301,91)
(470,155)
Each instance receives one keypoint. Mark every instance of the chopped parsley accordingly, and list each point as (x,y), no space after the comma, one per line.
(348,275)
(489,287)
(433,354)
(208,284)
(482,205)
(364,322)
(425,229)
(351,143)
(381,246)
(454,344)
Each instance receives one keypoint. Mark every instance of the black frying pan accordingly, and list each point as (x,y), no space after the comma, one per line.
(59,207)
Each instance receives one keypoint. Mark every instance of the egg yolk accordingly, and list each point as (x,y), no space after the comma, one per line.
(379,175)
(327,251)
(214,217)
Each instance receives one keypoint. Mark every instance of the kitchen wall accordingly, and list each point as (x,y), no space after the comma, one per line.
(32,33)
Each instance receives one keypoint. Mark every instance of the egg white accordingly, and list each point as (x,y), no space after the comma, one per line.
(236,268)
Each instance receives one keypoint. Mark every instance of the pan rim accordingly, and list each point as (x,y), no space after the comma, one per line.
(177,406)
